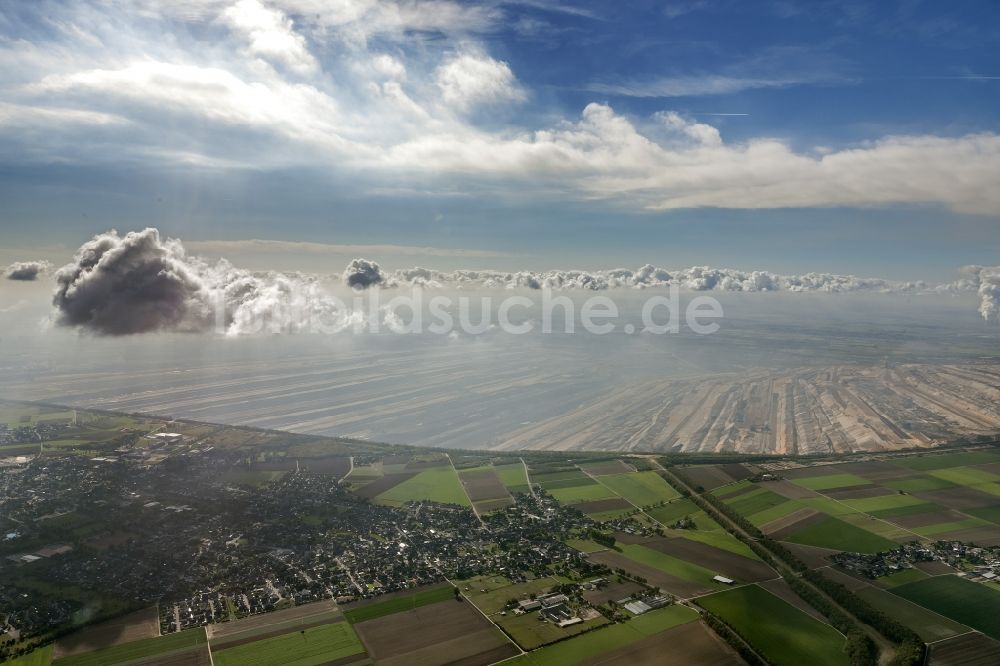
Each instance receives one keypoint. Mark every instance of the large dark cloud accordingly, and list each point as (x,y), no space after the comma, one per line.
(26,271)
(362,273)
(142,283)
(132,284)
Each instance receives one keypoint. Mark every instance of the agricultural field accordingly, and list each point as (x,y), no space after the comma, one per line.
(781,632)
(971,604)
(607,489)
(191,640)
(682,566)
(828,532)
(306,647)
(485,489)
(40,657)
(871,506)
(584,492)
(437,484)
(605,645)
(450,631)
(398,602)
(670,513)
(936,461)
(132,627)
(710,477)
(929,625)
(756,500)
(967,650)
(275,623)
(15,415)
(514,477)
(831,481)
(639,488)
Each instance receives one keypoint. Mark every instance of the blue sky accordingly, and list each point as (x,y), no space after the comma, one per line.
(831,136)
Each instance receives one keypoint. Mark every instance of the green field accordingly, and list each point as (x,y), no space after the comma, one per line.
(15,415)
(577,494)
(316,645)
(596,643)
(147,647)
(640,488)
(569,483)
(398,604)
(965,476)
(836,534)
(883,502)
(513,477)
(829,481)
(943,461)
(718,539)
(674,566)
(902,577)
(990,513)
(774,512)
(585,545)
(918,484)
(611,515)
(783,633)
(729,489)
(755,500)
(438,484)
(565,475)
(930,626)
(882,528)
(40,657)
(954,526)
(674,511)
(926,507)
(961,600)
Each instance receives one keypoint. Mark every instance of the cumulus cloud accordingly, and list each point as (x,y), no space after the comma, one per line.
(142,283)
(472,79)
(361,274)
(132,284)
(271,35)
(26,271)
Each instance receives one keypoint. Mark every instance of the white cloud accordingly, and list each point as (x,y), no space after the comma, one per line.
(395,116)
(472,79)
(389,67)
(271,35)
(690,86)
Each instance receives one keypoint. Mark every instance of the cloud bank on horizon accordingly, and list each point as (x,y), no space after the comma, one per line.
(408,95)
(143,283)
